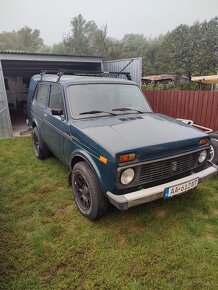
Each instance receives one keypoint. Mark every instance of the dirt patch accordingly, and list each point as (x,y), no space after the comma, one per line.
(63,208)
(45,190)
(159,212)
(122,242)
(215,212)
(210,236)
(134,228)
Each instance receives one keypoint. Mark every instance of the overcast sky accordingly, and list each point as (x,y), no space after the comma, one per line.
(149,17)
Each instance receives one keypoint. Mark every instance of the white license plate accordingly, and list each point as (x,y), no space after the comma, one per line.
(180,188)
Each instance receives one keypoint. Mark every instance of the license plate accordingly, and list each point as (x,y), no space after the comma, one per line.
(180,188)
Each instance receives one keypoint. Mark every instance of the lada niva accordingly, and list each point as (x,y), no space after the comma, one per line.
(117,149)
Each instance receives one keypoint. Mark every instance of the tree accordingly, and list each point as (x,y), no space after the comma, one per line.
(86,38)
(25,39)
(189,49)
(134,45)
(151,62)
(80,40)
(29,40)
(8,40)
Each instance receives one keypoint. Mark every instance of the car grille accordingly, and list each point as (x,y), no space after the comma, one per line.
(167,168)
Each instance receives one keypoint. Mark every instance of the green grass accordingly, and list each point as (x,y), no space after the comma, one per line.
(45,243)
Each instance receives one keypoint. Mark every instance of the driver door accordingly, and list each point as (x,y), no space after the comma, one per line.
(56,127)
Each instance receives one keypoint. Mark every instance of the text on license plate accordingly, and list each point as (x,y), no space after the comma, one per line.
(180,188)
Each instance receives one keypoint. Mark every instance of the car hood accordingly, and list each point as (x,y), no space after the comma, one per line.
(150,135)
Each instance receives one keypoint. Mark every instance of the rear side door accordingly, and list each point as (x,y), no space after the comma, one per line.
(56,128)
(40,102)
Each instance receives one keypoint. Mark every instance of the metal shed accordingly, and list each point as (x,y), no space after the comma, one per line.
(16,69)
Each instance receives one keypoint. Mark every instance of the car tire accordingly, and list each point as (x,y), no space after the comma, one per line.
(87,193)
(214,145)
(40,149)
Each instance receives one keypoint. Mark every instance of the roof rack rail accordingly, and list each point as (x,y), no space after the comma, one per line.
(61,72)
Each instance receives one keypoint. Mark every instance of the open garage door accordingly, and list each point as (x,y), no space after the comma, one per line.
(5,122)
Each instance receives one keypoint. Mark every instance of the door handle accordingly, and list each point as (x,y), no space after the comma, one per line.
(45,115)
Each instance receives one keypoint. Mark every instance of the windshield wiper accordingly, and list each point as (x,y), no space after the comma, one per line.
(128,109)
(96,112)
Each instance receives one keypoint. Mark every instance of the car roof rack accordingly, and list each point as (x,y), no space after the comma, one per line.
(61,72)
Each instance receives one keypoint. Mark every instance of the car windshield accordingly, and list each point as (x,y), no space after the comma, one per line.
(95,100)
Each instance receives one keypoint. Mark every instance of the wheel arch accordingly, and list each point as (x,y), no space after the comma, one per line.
(84,156)
(34,123)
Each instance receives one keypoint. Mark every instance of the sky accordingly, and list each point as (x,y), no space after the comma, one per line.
(148,17)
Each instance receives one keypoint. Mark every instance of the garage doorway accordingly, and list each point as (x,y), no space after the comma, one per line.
(16,89)
(16,70)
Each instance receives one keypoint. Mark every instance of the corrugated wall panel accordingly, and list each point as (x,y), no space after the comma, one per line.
(134,66)
(198,106)
(5,120)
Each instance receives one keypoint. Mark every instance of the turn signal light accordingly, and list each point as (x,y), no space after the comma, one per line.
(103,159)
(126,157)
(203,141)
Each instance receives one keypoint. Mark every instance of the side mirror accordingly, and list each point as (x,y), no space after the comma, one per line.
(57,112)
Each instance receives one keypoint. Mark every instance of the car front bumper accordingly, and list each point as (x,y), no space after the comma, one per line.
(125,201)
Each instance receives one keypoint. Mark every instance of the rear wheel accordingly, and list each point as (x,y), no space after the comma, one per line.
(40,149)
(88,196)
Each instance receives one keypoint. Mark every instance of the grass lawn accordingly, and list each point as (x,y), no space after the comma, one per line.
(45,243)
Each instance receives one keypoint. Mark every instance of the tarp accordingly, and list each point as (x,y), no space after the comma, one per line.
(206,79)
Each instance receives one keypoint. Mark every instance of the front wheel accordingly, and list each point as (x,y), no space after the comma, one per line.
(214,147)
(88,196)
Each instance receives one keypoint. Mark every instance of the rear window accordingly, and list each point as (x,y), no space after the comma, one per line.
(42,95)
(56,98)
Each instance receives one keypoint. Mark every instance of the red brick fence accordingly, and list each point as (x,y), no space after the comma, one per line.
(199,106)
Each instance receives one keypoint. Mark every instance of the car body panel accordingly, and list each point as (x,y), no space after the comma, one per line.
(151,136)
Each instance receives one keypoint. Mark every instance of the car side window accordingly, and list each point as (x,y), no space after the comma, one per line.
(56,100)
(42,95)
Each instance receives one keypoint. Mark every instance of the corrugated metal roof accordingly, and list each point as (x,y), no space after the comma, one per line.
(46,54)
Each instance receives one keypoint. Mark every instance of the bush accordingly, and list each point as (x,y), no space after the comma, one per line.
(176,85)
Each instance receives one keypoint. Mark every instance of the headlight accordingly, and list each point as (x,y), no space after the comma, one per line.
(127,176)
(202,156)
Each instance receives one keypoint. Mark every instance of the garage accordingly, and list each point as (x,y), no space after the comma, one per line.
(16,70)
